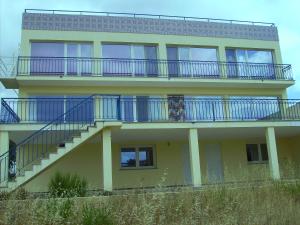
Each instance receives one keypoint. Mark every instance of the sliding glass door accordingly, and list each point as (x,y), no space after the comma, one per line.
(129,60)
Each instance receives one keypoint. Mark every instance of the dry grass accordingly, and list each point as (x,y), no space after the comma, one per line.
(268,204)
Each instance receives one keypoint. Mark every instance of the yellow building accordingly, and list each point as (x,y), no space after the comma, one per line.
(131,100)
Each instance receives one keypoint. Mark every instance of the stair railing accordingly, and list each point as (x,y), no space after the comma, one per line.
(44,141)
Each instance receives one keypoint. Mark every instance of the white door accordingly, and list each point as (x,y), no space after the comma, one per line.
(186,164)
(214,163)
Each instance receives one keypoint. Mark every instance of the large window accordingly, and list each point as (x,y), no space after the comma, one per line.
(60,58)
(257,153)
(192,62)
(247,62)
(129,60)
(137,157)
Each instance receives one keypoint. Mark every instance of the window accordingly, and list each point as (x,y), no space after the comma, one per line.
(191,61)
(246,62)
(49,58)
(137,157)
(257,152)
(129,60)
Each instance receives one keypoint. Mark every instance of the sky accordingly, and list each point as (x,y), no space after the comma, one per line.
(284,13)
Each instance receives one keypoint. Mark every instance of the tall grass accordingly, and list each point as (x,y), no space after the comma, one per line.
(275,203)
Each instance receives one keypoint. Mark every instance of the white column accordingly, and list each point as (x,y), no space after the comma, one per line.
(194,157)
(4,160)
(107,159)
(272,152)
(222,58)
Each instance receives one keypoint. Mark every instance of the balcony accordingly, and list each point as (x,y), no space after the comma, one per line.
(140,68)
(135,109)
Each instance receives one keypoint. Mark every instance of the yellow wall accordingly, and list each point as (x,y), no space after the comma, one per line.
(87,162)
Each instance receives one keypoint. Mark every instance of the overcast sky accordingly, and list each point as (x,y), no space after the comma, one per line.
(284,13)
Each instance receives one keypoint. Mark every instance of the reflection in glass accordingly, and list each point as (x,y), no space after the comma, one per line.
(146,156)
(40,62)
(128,157)
(252,152)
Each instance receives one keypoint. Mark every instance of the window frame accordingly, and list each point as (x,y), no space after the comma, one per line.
(137,164)
(260,160)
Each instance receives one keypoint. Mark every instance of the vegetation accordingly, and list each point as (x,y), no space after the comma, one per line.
(270,203)
(67,186)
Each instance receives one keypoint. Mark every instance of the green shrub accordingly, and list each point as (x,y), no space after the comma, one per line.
(4,195)
(20,194)
(95,216)
(67,186)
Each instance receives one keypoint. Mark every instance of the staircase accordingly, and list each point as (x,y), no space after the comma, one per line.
(47,145)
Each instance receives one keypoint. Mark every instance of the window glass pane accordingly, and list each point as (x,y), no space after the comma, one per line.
(40,65)
(259,56)
(49,108)
(47,49)
(83,112)
(252,152)
(111,107)
(173,64)
(118,59)
(86,61)
(86,50)
(142,108)
(156,106)
(264,152)
(232,68)
(127,105)
(128,157)
(116,51)
(139,60)
(151,63)
(203,54)
(72,51)
(184,64)
(146,156)
(204,62)
(230,55)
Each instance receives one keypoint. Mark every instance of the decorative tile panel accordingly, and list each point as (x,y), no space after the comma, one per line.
(61,22)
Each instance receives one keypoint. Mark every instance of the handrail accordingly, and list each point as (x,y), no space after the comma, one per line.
(58,123)
(145,15)
(116,67)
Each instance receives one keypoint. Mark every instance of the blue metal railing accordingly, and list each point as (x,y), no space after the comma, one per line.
(39,144)
(149,109)
(143,15)
(113,67)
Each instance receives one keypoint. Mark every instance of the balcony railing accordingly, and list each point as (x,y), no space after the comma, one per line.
(112,67)
(148,109)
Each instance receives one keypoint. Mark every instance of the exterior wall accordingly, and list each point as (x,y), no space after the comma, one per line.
(40,90)
(86,161)
(160,40)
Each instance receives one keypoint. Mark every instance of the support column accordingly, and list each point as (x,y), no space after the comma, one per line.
(222,59)
(162,53)
(272,153)
(194,157)
(4,160)
(107,159)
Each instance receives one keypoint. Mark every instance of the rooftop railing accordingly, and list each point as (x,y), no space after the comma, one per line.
(143,15)
(139,68)
(148,109)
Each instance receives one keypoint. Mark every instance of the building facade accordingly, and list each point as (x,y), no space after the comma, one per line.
(132,100)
